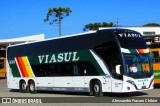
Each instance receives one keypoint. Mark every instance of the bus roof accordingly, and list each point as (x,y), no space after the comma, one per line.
(75,42)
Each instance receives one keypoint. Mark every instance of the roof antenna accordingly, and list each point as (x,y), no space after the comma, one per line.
(117,24)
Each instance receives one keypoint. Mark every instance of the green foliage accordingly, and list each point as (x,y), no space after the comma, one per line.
(152,24)
(55,15)
(95,26)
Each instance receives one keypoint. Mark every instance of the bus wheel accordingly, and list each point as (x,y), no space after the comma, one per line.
(23,87)
(32,87)
(97,89)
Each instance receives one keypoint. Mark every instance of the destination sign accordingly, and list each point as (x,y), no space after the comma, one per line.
(131,40)
(129,35)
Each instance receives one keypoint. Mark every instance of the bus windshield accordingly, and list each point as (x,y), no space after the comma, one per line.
(1,64)
(137,65)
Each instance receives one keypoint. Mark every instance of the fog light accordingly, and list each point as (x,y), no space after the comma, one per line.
(128,88)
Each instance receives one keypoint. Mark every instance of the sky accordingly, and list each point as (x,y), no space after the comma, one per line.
(19,18)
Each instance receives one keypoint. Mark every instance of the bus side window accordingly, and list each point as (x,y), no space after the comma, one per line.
(84,68)
(77,69)
(1,64)
(109,53)
(155,56)
(66,69)
(89,69)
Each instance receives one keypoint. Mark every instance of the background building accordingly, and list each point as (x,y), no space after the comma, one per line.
(5,42)
(145,31)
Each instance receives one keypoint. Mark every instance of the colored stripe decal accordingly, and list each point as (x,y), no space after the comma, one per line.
(27,66)
(133,50)
(125,50)
(24,67)
(21,67)
(139,51)
(146,50)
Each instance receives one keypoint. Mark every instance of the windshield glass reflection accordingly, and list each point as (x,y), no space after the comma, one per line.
(138,65)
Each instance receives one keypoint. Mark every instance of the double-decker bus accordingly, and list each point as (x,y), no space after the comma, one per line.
(107,60)
(2,64)
(153,42)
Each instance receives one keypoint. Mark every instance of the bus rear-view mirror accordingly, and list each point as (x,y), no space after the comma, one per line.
(118,69)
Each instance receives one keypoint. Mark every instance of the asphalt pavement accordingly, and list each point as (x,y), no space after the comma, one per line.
(147,97)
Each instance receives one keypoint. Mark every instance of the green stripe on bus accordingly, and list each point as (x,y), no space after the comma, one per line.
(157,77)
(14,68)
(133,50)
(84,55)
(156,71)
(88,54)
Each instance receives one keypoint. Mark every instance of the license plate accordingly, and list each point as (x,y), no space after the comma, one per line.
(143,87)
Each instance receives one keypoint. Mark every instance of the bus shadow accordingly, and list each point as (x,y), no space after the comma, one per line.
(131,94)
(54,92)
(14,90)
(81,94)
(65,93)
(3,78)
(156,86)
(87,94)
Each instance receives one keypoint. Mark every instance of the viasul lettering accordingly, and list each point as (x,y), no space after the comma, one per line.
(57,58)
(129,35)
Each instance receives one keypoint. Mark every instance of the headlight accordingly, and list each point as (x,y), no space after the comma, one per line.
(131,82)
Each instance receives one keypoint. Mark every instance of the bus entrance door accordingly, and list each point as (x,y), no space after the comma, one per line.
(117,85)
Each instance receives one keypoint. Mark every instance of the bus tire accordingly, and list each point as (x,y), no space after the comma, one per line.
(91,89)
(23,86)
(5,76)
(32,87)
(97,88)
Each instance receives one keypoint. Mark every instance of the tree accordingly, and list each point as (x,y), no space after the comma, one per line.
(152,24)
(56,15)
(95,26)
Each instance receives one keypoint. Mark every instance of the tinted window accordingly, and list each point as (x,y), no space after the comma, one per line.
(41,70)
(131,40)
(2,53)
(109,52)
(64,69)
(57,69)
(1,64)
(87,68)
(155,56)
